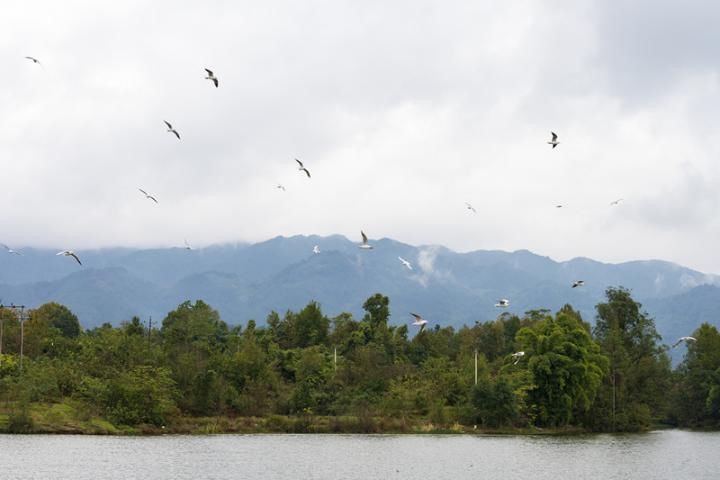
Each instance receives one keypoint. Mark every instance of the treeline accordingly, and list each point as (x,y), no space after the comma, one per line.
(615,376)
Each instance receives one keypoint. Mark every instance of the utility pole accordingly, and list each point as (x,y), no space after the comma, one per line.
(21,317)
(22,334)
(613,401)
(149,327)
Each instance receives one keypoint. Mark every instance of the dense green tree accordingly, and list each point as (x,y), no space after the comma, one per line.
(697,394)
(59,317)
(566,366)
(192,336)
(633,394)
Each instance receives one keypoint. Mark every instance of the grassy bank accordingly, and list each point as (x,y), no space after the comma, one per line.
(72,418)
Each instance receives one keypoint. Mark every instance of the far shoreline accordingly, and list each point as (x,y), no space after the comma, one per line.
(51,420)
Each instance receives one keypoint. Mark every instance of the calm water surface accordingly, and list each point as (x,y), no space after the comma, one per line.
(672,454)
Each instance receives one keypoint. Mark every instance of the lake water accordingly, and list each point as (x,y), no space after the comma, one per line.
(671,454)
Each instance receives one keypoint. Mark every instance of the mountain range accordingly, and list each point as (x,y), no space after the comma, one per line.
(248,281)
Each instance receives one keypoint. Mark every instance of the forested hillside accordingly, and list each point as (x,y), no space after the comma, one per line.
(304,371)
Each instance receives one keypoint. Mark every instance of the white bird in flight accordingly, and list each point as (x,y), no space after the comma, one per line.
(364,245)
(554,141)
(280,187)
(211,77)
(502,303)
(69,253)
(405,262)
(187,245)
(578,283)
(470,207)
(616,202)
(517,356)
(316,249)
(684,339)
(10,250)
(147,195)
(34,60)
(302,168)
(419,321)
(558,206)
(171,129)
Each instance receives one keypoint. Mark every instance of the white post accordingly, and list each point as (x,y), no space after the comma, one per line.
(476,366)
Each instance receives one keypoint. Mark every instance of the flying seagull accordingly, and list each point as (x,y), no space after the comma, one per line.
(517,356)
(171,129)
(578,283)
(405,262)
(554,141)
(34,60)
(211,77)
(187,245)
(470,207)
(616,202)
(316,249)
(364,245)
(9,250)
(684,339)
(502,303)
(419,321)
(69,253)
(302,168)
(558,206)
(147,195)
(280,187)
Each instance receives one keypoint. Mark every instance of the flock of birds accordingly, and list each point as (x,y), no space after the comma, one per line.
(363,245)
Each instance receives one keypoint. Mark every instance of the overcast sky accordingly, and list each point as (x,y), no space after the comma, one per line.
(402,111)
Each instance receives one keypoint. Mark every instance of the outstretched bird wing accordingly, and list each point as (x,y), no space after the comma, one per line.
(209,72)
(300,163)
(168,124)
(76,258)
(364,237)
(554,136)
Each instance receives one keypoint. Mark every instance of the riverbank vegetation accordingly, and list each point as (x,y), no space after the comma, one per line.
(305,372)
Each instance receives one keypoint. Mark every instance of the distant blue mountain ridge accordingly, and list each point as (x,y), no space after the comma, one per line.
(248,281)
